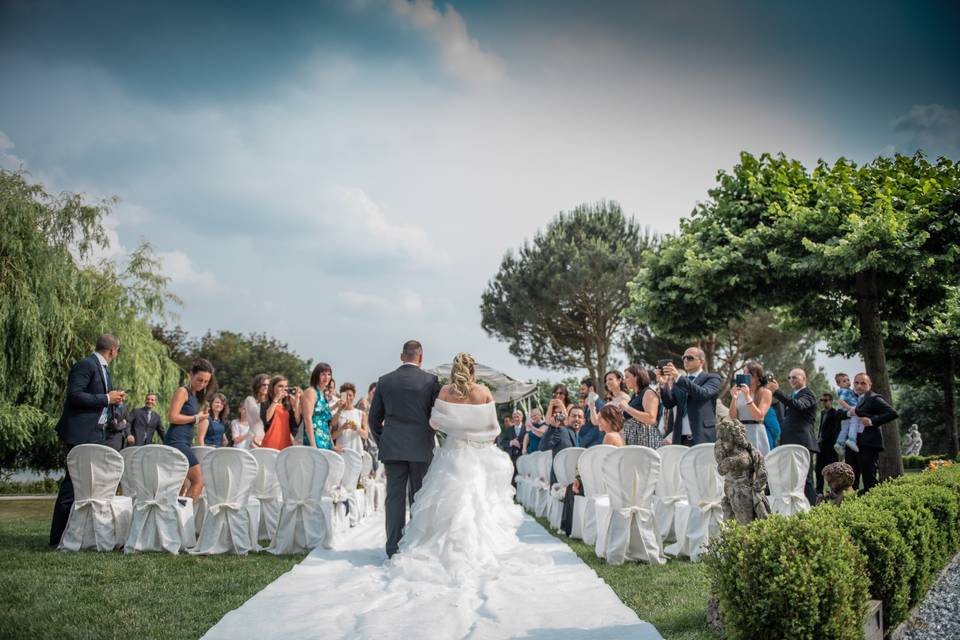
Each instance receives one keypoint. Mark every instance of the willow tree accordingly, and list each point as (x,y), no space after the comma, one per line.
(844,250)
(54,303)
(558,301)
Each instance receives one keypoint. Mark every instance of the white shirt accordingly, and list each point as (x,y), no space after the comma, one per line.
(103,372)
(685,427)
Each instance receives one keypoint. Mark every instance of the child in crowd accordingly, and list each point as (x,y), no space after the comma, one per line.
(850,427)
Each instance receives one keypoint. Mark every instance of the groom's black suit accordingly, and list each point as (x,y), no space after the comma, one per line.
(400,417)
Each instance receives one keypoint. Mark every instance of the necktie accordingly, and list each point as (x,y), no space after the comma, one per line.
(691,378)
(794,394)
(106,372)
(576,438)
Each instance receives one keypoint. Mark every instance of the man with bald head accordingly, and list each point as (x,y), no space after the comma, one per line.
(694,394)
(873,412)
(799,416)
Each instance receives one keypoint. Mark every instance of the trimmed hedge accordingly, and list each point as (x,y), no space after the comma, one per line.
(777,577)
(920,462)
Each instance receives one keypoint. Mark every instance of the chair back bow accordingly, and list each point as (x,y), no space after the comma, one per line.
(87,502)
(231,506)
(147,503)
(710,505)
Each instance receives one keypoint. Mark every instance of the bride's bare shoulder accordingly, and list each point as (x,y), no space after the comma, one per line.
(479,394)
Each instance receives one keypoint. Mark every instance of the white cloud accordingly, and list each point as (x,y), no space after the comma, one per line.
(9,161)
(404,300)
(462,56)
(931,127)
(182,272)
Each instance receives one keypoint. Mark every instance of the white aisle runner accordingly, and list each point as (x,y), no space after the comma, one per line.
(347,593)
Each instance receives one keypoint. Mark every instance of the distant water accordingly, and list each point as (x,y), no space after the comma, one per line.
(33,476)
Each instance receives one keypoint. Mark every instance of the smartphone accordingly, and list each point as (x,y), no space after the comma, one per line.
(743,379)
(661,364)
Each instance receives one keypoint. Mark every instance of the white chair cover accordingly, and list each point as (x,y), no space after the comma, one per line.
(704,487)
(630,475)
(565,468)
(522,480)
(591,476)
(334,496)
(126,480)
(200,508)
(368,484)
(352,466)
(670,499)
(99,518)
(160,522)
(544,464)
(265,514)
(787,469)
(304,523)
(228,477)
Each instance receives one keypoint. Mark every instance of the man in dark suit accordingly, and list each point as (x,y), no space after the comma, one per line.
(117,433)
(874,412)
(694,394)
(400,418)
(799,414)
(144,422)
(88,406)
(830,419)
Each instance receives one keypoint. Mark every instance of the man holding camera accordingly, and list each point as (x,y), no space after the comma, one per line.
(799,414)
(87,408)
(693,394)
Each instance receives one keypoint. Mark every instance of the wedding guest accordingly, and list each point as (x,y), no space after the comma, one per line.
(184,415)
(575,422)
(281,414)
(694,395)
(364,403)
(850,428)
(316,411)
(89,401)
(560,437)
(616,387)
(145,422)
(641,413)
(260,387)
(873,412)
(830,419)
(213,431)
(351,423)
(538,427)
(750,404)
(611,423)
(800,409)
(590,403)
(240,431)
(117,431)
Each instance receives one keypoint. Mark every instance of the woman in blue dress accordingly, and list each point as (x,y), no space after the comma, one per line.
(184,415)
(213,432)
(317,412)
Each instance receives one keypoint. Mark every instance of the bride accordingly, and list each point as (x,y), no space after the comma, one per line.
(463,519)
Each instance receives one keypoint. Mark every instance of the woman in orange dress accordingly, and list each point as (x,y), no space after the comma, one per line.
(280,414)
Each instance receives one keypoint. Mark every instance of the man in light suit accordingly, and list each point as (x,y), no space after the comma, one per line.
(799,416)
(694,394)
(87,408)
(145,422)
(400,419)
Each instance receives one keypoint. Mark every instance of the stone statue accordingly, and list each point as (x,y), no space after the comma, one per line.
(743,471)
(839,477)
(912,441)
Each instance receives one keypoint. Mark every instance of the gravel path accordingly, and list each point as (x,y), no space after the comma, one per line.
(938,616)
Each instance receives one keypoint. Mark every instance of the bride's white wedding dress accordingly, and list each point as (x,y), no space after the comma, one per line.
(463,521)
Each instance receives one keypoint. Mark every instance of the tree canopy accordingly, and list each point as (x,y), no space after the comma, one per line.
(845,250)
(558,301)
(54,304)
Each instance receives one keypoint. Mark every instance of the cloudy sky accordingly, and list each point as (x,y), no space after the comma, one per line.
(346,175)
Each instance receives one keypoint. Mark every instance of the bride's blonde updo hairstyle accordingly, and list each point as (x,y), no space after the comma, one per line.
(463,374)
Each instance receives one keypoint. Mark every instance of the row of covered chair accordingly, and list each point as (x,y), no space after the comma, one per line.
(633,499)
(298,499)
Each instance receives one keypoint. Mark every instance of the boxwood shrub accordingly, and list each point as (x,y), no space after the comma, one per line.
(809,576)
(796,577)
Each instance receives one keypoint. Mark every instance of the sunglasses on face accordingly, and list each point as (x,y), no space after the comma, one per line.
(793,377)
(690,358)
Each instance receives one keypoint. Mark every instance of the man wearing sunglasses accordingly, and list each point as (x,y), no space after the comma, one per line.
(830,418)
(694,394)
(799,414)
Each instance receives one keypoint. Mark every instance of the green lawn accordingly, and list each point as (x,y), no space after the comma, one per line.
(49,594)
(672,597)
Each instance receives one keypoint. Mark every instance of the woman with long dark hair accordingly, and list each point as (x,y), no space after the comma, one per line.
(317,412)
(260,388)
(615,387)
(642,412)
(750,404)
(280,414)
(213,431)
(184,415)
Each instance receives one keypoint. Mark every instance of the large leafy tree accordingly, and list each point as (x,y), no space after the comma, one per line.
(53,305)
(843,250)
(558,301)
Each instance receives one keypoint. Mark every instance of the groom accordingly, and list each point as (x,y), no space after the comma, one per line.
(399,417)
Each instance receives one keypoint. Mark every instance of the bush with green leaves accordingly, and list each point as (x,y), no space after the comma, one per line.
(796,577)
(920,462)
